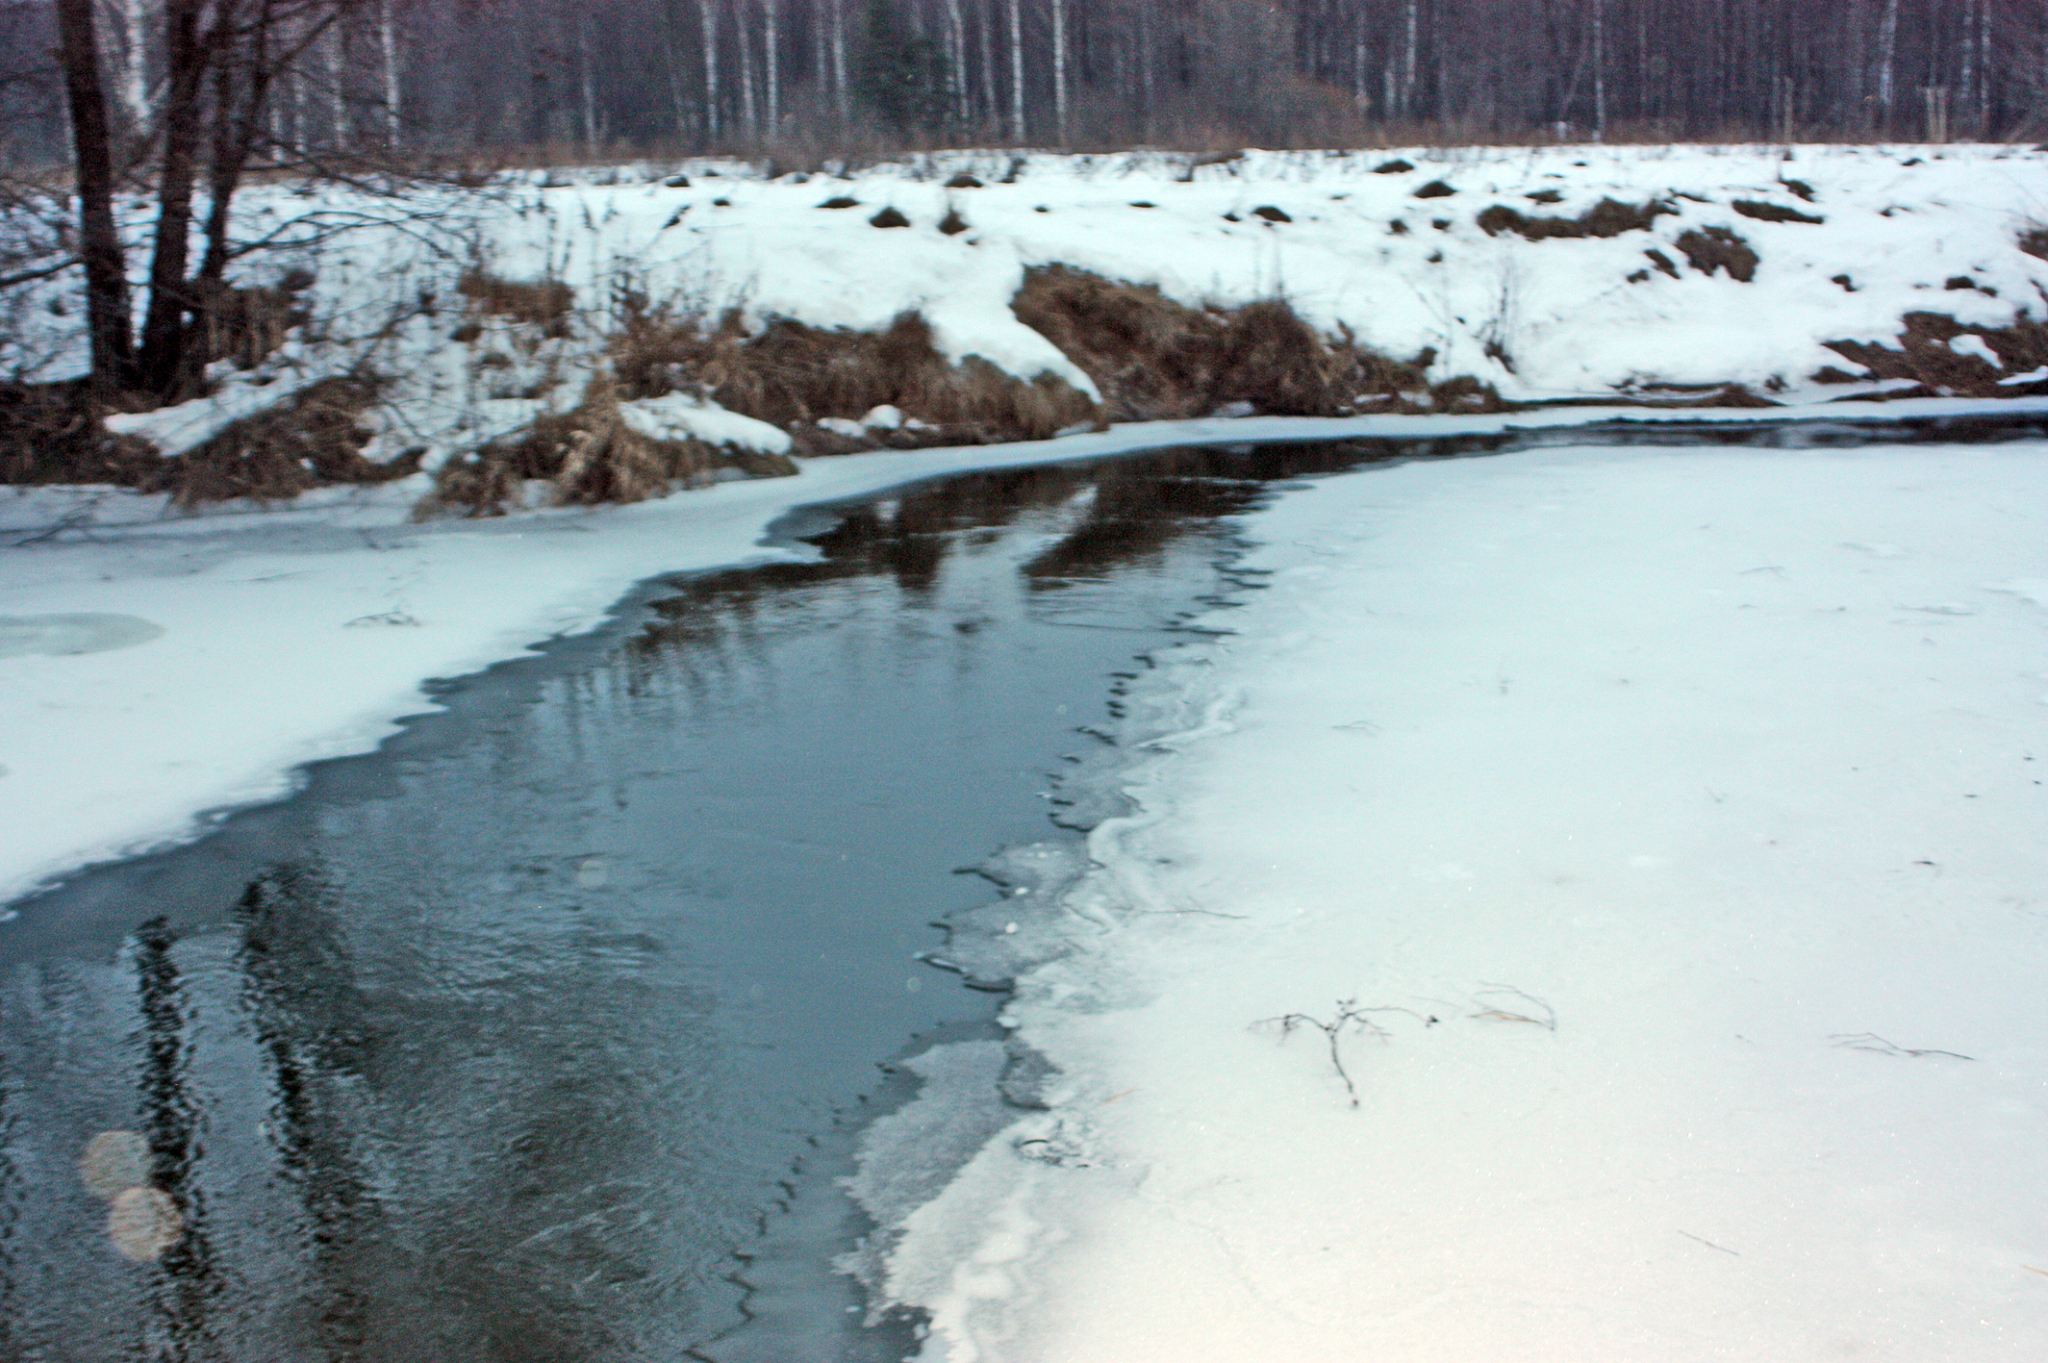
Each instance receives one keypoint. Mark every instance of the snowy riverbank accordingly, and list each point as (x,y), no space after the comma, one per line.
(1653,837)
(732,313)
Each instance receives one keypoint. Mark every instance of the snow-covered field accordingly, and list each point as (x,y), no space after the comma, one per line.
(1654,839)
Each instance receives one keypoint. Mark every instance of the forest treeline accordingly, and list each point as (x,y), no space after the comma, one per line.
(592,78)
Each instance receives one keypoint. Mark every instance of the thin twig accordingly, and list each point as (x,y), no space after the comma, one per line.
(1870,1041)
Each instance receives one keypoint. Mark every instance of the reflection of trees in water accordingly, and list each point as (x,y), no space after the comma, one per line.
(300,996)
(1135,507)
(187,1286)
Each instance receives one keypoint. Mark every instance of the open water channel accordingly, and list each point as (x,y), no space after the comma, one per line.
(540,1033)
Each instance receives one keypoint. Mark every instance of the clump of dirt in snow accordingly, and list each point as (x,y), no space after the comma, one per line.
(1604,219)
(1769,212)
(1718,248)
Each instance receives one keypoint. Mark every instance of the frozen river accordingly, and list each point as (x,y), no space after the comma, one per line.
(523,1037)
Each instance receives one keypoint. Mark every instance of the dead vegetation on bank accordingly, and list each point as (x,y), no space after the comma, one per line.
(795,376)
(1156,359)
(588,455)
(1149,356)
(1926,356)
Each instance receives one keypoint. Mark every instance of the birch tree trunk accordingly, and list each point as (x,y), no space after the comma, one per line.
(771,38)
(1966,91)
(1887,60)
(1410,53)
(839,60)
(387,48)
(1599,70)
(1017,126)
(135,64)
(748,118)
(337,102)
(1059,67)
(586,81)
(956,63)
(707,15)
(990,103)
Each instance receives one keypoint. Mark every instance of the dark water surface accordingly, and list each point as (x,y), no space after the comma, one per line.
(502,1043)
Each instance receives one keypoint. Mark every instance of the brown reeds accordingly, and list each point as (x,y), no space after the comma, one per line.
(313,439)
(588,455)
(545,303)
(1156,359)
(1924,356)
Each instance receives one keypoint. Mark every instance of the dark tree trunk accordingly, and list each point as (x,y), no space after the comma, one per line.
(106,268)
(189,51)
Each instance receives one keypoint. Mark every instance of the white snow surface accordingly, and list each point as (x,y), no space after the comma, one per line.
(1671,824)
(679,416)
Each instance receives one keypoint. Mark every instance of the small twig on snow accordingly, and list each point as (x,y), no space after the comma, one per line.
(1505,1003)
(1870,1041)
(1348,1014)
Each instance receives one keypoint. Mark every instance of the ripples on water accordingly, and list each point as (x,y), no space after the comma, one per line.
(498,1044)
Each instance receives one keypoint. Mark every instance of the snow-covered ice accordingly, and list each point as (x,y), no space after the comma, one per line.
(1659,834)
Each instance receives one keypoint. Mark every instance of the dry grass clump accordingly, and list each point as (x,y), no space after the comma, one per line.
(545,303)
(1717,248)
(1925,357)
(246,326)
(314,440)
(1604,219)
(51,433)
(793,376)
(590,455)
(1155,359)
(2034,241)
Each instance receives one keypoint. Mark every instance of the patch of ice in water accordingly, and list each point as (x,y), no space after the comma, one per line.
(907,1157)
(64,635)
(993,943)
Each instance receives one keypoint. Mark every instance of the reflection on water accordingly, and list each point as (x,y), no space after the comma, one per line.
(498,1044)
